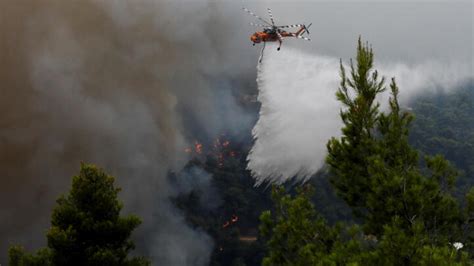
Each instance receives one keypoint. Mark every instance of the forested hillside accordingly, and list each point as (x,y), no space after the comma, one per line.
(443,124)
(223,202)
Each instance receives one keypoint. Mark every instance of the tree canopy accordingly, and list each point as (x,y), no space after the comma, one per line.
(86,226)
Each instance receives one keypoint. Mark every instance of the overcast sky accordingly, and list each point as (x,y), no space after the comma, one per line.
(398,30)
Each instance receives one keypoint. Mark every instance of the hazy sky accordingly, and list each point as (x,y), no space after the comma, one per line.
(398,30)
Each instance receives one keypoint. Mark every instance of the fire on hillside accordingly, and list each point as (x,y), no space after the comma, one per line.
(219,150)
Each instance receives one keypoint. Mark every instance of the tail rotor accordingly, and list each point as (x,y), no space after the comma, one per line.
(306,28)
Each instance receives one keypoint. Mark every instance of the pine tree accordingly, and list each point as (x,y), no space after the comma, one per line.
(349,156)
(86,226)
(405,205)
(375,169)
(297,235)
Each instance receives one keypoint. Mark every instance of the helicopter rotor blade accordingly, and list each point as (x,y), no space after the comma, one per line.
(304,38)
(255,15)
(300,37)
(290,26)
(271,16)
(258,25)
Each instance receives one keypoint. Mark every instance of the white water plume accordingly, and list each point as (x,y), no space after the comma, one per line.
(299,111)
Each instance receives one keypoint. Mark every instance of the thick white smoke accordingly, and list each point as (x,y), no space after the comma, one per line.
(300,113)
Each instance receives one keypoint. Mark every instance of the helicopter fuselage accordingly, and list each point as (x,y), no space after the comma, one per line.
(272,36)
(261,36)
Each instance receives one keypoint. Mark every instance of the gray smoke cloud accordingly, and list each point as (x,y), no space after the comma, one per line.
(300,113)
(115,83)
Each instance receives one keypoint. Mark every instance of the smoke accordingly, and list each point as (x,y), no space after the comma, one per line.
(426,77)
(195,179)
(128,84)
(300,113)
(114,83)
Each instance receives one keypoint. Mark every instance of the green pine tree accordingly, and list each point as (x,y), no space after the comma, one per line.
(348,157)
(405,206)
(291,230)
(375,169)
(86,226)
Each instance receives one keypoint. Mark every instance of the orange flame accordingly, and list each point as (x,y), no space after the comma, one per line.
(198,147)
(226,224)
(235,218)
(219,151)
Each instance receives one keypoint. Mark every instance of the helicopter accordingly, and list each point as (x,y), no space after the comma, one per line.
(273,33)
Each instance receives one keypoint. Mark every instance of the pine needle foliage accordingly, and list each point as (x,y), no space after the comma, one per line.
(86,226)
